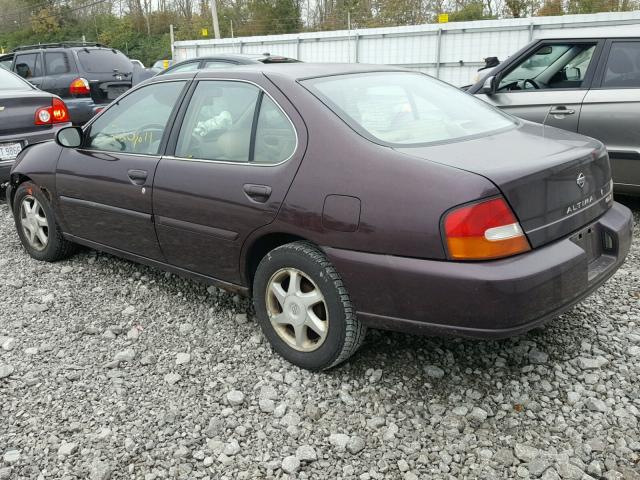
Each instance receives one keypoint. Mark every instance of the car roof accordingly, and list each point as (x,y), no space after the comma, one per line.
(300,71)
(614,31)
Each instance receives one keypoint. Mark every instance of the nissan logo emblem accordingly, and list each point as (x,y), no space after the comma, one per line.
(581,180)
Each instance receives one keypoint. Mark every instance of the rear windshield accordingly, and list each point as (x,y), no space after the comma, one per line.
(9,81)
(102,60)
(404,108)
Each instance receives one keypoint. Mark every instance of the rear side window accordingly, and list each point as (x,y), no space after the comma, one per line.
(623,66)
(102,60)
(275,136)
(28,65)
(56,63)
(137,122)
(216,64)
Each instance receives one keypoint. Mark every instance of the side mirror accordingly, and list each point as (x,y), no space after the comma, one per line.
(489,85)
(69,137)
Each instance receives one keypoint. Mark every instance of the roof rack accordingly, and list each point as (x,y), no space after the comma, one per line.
(57,45)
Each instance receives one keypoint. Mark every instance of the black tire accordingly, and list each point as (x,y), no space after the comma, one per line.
(345,333)
(57,247)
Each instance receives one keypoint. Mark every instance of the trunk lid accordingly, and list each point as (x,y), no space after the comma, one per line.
(555,181)
(18,110)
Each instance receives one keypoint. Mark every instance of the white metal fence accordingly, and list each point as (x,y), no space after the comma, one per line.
(450,51)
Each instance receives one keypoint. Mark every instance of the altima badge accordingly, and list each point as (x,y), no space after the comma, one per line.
(581,180)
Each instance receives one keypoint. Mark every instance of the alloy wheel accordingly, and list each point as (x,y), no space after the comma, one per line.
(34,223)
(297,309)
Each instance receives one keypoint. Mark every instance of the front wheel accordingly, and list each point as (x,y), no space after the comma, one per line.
(36,224)
(304,308)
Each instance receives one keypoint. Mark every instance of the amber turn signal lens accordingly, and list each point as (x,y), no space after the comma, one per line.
(484,231)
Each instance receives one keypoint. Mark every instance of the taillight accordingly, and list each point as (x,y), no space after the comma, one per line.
(483,231)
(80,86)
(56,113)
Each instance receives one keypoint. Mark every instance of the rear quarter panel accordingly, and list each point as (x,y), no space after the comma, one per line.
(402,198)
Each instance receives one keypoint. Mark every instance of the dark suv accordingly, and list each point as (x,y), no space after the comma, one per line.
(87,76)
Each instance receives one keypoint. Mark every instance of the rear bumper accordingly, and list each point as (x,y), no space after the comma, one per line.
(81,110)
(26,139)
(493,299)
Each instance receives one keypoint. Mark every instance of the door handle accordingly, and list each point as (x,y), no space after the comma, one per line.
(257,193)
(138,177)
(561,110)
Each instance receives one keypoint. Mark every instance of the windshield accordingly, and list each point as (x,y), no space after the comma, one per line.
(9,81)
(100,60)
(403,108)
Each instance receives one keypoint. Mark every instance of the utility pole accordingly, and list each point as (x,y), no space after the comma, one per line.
(214,14)
(231,24)
(171,39)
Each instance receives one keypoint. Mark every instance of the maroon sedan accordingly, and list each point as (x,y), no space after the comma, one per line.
(340,196)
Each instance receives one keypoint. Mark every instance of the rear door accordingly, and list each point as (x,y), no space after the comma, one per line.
(29,66)
(105,187)
(59,72)
(232,161)
(611,111)
(548,82)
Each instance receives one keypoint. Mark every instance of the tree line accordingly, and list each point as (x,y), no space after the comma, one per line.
(140,28)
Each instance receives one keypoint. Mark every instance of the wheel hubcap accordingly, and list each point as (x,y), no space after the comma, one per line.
(34,223)
(297,309)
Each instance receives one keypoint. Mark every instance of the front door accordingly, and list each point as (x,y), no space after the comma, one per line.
(234,159)
(611,112)
(547,85)
(105,188)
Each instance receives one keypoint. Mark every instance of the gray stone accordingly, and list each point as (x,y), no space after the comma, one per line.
(339,440)
(526,453)
(182,358)
(596,405)
(433,371)
(11,456)
(290,464)
(355,445)
(67,449)
(100,471)
(235,398)
(6,370)
(306,453)
(538,357)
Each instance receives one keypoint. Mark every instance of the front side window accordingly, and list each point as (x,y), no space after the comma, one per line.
(562,65)
(56,63)
(27,66)
(218,122)
(137,122)
(623,66)
(406,108)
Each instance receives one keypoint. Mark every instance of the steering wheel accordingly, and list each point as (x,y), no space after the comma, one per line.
(151,128)
(530,81)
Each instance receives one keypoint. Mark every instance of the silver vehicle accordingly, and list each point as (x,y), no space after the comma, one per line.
(585,84)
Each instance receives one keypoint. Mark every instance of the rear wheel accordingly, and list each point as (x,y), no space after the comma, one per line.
(304,308)
(36,224)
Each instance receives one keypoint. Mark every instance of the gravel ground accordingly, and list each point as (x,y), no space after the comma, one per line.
(113,370)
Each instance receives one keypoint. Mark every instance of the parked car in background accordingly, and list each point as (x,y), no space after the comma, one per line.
(341,196)
(137,63)
(225,61)
(6,61)
(27,116)
(585,84)
(87,76)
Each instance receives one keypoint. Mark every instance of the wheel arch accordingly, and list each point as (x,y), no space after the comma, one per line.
(261,245)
